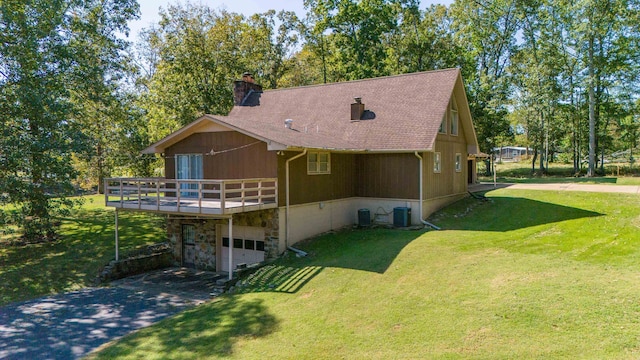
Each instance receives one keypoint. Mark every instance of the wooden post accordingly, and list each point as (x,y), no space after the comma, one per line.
(139,195)
(222,195)
(231,247)
(200,196)
(117,255)
(493,166)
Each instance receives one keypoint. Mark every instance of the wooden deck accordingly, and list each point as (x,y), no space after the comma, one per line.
(195,197)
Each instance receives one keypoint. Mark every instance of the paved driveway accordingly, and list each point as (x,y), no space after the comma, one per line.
(70,325)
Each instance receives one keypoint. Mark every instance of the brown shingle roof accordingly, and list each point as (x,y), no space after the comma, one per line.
(408,110)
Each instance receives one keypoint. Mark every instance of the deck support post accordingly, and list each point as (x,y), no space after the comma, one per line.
(117,237)
(230,247)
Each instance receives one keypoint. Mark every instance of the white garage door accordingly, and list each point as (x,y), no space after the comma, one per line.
(248,246)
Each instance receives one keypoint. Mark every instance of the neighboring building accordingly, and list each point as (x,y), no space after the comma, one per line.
(289,164)
(512,153)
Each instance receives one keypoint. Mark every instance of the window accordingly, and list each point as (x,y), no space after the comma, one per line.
(458,162)
(443,126)
(189,234)
(318,163)
(437,163)
(454,117)
(248,244)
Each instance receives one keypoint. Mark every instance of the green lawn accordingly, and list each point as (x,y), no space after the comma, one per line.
(86,244)
(524,275)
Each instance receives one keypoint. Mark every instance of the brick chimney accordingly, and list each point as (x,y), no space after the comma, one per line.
(242,88)
(357,108)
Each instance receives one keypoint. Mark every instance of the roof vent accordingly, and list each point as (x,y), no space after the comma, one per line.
(288,123)
(357,109)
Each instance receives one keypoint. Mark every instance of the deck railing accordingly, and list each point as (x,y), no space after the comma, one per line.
(191,196)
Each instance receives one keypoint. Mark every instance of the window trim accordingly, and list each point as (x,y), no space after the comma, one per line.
(189,156)
(458,162)
(189,190)
(437,162)
(258,245)
(453,117)
(443,126)
(317,171)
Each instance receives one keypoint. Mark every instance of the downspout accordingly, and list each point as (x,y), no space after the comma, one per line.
(421,186)
(286,237)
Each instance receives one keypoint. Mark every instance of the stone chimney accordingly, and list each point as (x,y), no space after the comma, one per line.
(357,109)
(242,88)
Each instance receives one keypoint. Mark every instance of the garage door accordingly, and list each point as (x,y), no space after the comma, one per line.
(248,246)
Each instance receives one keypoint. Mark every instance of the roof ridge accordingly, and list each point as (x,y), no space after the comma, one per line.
(363,80)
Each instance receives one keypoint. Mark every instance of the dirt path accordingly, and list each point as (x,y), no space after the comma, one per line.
(628,189)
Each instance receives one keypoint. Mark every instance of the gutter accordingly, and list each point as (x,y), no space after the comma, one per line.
(421,186)
(286,237)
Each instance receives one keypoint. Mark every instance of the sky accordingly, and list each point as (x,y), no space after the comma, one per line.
(149,9)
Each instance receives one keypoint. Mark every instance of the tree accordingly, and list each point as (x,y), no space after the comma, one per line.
(606,32)
(351,37)
(487,30)
(425,40)
(41,65)
(198,52)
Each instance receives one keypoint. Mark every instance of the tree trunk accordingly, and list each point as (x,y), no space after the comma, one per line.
(592,112)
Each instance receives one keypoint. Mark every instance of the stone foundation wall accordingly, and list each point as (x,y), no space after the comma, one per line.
(266,219)
(205,242)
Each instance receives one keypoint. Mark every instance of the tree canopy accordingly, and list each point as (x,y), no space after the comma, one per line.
(79,102)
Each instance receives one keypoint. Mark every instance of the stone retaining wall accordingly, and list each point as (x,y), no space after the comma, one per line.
(157,256)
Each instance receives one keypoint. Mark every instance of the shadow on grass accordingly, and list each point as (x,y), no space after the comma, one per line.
(86,244)
(506,214)
(209,329)
(364,249)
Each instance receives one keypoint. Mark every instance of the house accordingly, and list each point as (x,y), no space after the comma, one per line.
(288,164)
(512,153)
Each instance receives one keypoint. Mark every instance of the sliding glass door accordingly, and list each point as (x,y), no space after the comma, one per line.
(189,167)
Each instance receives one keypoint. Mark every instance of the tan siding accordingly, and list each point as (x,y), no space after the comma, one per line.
(253,161)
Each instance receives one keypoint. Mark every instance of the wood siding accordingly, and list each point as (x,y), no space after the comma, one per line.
(392,176)
(313,188)
(252,161)
(448,181)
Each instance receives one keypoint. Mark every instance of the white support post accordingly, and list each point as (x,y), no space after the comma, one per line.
(230,247)
(117,255)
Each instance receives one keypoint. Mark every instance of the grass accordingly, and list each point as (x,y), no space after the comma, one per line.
(520,172)
(73,262)
(524,275)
